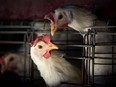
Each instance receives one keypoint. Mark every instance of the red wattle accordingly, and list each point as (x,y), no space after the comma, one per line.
(47,54)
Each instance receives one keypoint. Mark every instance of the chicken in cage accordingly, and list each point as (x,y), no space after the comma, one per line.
(101,54)
(26,69)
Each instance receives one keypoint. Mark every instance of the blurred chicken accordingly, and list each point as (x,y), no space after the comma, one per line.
(79,19)
(8,69)
(52,66)
(8,62)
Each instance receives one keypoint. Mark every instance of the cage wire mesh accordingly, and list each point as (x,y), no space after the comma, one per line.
(16,37)
(100,56)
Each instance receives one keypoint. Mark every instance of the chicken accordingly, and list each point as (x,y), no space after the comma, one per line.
(74,17)
(8,69)
(52,66)
(79,19)
(8,62)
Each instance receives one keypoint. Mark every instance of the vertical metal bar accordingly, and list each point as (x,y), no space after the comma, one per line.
(32,65)
(108,22)
(93,54)
(28,51)
(25,55)
(25,50)
(89,53)
(83,62)
(67,49)
(113,60)
(29,39)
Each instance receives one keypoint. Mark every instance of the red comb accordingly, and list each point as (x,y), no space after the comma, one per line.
(45,38)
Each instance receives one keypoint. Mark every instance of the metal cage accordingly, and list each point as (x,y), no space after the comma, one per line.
(31,75)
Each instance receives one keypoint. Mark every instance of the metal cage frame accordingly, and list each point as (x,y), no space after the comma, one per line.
(90,44)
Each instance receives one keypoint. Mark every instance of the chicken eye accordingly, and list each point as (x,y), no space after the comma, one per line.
(40,47)
(11,59)
(60,16)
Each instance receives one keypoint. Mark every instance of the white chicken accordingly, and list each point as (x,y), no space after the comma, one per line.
(52,66)
(8,69)
(8,62)
(72,16)
(79,19)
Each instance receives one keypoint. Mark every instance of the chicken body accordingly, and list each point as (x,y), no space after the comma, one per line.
(54,69)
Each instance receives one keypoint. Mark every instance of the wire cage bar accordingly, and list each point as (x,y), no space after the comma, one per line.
(92,55)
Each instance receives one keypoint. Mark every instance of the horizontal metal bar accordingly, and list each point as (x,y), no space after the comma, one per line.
(101,27)
(105,63)
(14,26)
(18,52)
(107,58)
(12,42)
(24,26)
(37,30)
(106,33)
(13,32)
(78,84)
(80,45)
(70,57)
(105,75)
(105,53)
(105,44)
(103,33)
(87,45)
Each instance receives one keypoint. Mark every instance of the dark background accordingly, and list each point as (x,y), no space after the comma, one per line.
(36,9)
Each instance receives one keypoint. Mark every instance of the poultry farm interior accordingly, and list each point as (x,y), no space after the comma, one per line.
(79,49)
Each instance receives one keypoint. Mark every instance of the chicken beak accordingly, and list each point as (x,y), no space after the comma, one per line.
(53,29)
(50,17)
(52,46)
